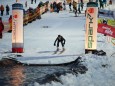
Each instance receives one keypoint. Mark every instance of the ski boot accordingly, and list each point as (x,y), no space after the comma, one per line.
(57,48)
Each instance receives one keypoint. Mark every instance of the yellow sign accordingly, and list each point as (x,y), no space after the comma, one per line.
(110,22)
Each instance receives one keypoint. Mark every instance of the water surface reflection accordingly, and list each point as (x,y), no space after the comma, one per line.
(12,76)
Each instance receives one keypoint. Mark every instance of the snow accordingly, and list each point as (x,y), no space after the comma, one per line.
(38,41)
(95,76)
(39,49)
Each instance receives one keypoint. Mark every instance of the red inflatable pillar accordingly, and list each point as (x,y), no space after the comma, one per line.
(17,28)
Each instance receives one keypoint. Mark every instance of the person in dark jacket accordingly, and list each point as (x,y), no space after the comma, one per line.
(61,40)
(64,5)
(105,2)
(32,1)
(58,7)
(101,4)
(1,27)
(7,10)
(35,1)
(70,6)
(26,4)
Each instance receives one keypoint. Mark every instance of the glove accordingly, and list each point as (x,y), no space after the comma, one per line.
(54,44)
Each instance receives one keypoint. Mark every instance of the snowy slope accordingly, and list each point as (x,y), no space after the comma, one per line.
(38,41)
(38,48)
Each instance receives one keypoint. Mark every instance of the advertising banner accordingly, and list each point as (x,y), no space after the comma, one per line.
(91,26)
(109,21)
(106,29)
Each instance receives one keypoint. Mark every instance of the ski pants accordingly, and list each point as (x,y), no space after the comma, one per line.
(2,12)
(61,44)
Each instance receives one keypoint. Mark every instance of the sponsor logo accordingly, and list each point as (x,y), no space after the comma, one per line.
(90,28)
(14,26)
(108,30)
(91,10)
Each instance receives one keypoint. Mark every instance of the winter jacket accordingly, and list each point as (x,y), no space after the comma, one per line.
(74,5)
(7,8)
(2,8)
(1,28)
(60,39)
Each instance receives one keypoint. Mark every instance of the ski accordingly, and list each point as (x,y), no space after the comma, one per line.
(62,51)
(56,51)
(59,51)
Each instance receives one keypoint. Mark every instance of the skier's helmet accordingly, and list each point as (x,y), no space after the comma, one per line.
(59,35)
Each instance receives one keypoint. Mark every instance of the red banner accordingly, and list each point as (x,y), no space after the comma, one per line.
(106,30)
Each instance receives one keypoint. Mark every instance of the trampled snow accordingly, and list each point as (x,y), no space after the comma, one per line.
(38,48)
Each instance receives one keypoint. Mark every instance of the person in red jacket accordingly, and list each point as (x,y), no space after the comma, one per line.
(10,23)
(1,28)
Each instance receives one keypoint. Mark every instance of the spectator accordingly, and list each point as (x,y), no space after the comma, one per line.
(79,5)
(110,1)
(1,27)
(64,5)
(35,1)
(10,22)
(70,6)
(105,2)
(58,7)
(82,4)
(2,10)
(31,1)
(101,3)
(75,8)
(7,10)
(26,4)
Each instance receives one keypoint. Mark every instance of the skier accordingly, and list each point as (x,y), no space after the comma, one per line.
(61,40)
(7,10)
(1,28)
